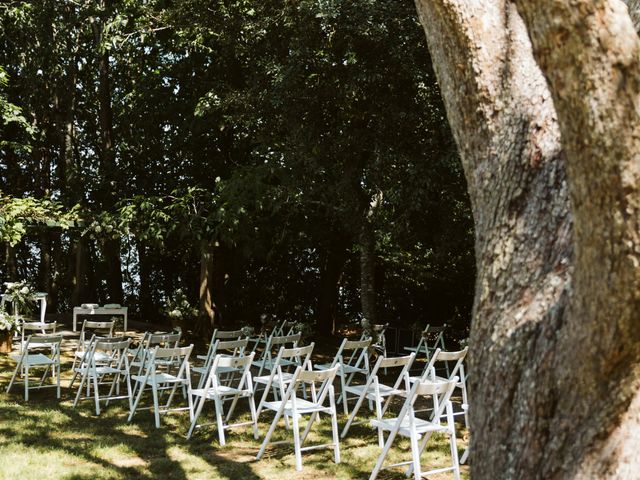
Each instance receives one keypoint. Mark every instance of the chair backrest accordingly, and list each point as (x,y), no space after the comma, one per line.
(241,364)
(313,378)
(273,343)
(164,340)
(176,355)
(442,390)
(403,364)
(458,357)
(115,347)
(90,328)
(284,339)
(236,347)
(27,327)
(302,356)
(227,335)
(48,343)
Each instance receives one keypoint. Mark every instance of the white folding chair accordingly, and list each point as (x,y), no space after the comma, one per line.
(294,406)
(357,364)
(29,328)
(376,392)
(282,371)
(431,338)
(39,351)
(220,335)
(217,391)
(264,336)
(94,371)
(458,371)
(216,338)
(408,425)
(273,344)
(156,376)
(88,330)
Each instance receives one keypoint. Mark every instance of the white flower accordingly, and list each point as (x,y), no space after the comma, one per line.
(24,290)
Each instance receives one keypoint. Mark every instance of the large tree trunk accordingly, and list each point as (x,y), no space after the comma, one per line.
(108,167)
(147,309)
(554,351)
(209,311)
(331,271)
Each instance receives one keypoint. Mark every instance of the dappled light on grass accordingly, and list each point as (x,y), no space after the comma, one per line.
(47,438)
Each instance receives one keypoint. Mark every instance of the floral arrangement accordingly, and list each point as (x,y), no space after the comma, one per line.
(247,330)
(306,329)
(376,332)
(8,323)
(179,308)
(22,294)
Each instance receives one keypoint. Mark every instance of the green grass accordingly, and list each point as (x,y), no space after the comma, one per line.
(46,438)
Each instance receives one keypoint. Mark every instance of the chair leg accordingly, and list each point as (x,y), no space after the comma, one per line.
(135,404)
(96,392)
(156,404)
(272,428)
(296,441)
(415,453)
(334,427)
(15,373)
(343,394)
(26,383)
(199,403)
(254,416)
(379,416)
(58,379)
(354,412)
(219,419)
(383,454)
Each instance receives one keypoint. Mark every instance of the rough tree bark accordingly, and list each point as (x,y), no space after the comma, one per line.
(554,350)
(108,167)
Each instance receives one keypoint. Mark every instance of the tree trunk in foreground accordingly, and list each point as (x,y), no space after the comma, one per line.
(554,350)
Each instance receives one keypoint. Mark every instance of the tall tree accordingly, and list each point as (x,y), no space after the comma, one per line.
(554,343)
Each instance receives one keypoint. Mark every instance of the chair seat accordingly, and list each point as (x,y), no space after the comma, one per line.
(302,406)
(436,379)
(221,390)
(422,349)
(33,359)
(160,378)
(344,369)
(101,370)
(101,357)
(286,378)
(384,390)
(422,426)
(269,364)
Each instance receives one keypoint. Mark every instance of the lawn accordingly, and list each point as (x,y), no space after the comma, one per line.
(48,439)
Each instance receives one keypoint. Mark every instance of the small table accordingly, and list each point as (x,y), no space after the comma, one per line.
(99,311)
(37,297)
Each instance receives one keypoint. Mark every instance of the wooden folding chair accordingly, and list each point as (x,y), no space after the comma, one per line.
(39,351)
(356,364)
(294,406)
(95,371)
(378,393)
(282,371)
(156,376)
(221,340)
(274,343)
(217,391)
(407,424)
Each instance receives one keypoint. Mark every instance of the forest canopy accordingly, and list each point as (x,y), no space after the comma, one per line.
(288,158)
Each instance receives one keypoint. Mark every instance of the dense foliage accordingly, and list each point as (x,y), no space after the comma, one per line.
(289,158)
